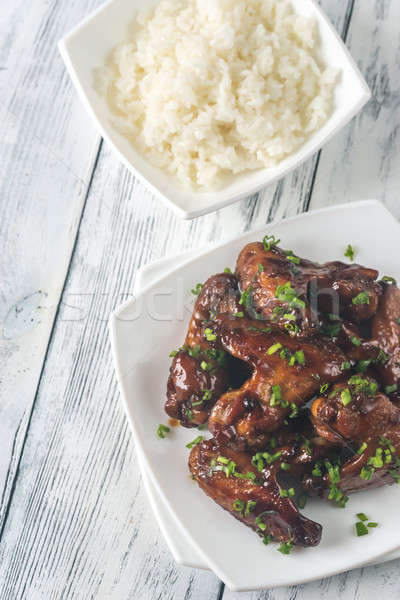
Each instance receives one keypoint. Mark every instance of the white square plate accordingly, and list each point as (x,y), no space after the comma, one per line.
(144,331)
(87,47)
(181,548)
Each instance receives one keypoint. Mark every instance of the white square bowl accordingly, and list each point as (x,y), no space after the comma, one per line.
(87,47)
(145,330)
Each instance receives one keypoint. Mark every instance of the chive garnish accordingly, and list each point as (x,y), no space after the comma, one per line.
(361,517)
(250,506)
(361,298)
(238,505)
(205,366)
(387,279)
(195,442)
(227,270)
(350,253)
(345,397)
(162,430)
(266,539)
(389,389)
(285,548)
(363,447)
(274,348)
(209,335)
(361,529)
(269,241)
(196,291)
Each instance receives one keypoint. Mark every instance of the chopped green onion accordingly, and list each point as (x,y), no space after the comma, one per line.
(196,291)
(361,529)
(207,395)
(361,298)
(389,389)
(269,241)
(387,279)
(285,466)
(294,410)
(173,353)
(250,506)
(285,548)
(210,335)
(355,340)
(345,366)
(162,430)
(260,524)
(363,365)
(240,315)
(290,256)
(249,475)
(274,348)
(363,447)
(205,366)
(223,460)
(366,473)
(195,442)
(316,471)
(275,396)
(301,359)
(349,252)
(227,270)
(197,403)
(245,298)
(372,524)
(323,388)
(346,397)
(188,412)
(307,446)
(260,268)
(361,517)
(266,539)
(238,505)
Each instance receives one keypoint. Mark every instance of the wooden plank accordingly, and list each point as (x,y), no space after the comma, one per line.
(364,160)
(79,525)
(380,581)
(46,159)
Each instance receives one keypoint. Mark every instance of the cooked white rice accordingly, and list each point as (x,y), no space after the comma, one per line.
(206,88)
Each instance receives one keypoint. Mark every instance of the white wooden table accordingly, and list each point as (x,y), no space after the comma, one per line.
(75,227)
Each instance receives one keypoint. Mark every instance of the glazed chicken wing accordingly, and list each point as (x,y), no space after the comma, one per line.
(279,284)
(356,415)
(253,497)
(199,373)
(286,373)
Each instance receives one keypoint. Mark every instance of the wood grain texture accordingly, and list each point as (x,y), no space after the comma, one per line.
(78,524)
(363,161)
(46,160)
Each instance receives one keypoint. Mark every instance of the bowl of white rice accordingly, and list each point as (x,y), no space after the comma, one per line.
(208,101)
